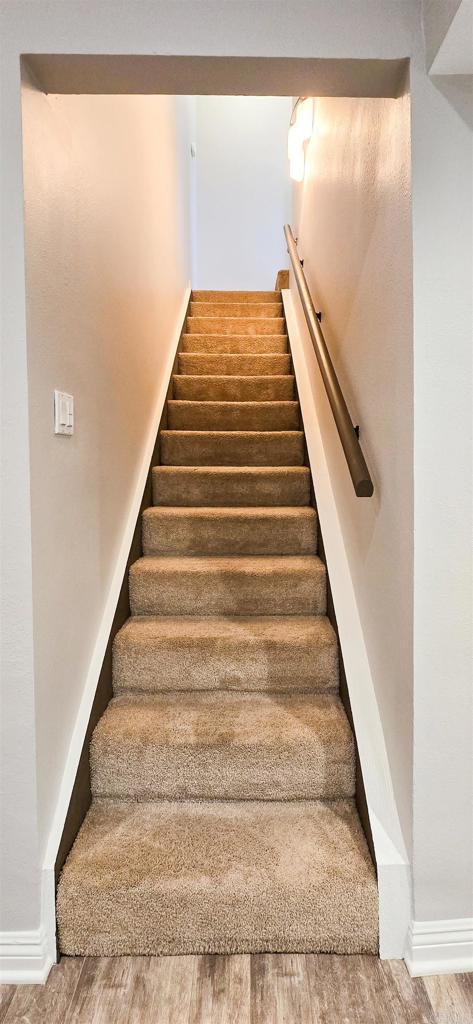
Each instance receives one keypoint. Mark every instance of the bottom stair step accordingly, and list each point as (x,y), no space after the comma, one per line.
(219,877)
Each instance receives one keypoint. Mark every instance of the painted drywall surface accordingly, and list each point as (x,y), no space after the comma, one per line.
(354,228)
(392,859)
(107,258)
(437,16)
(442,173)
(411,563)
(368,29)
(20,865)
(455,54)
(242,190)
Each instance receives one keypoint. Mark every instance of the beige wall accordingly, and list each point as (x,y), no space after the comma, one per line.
(352,217)
(107,259)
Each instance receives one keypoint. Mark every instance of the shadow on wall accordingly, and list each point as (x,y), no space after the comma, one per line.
(458,91)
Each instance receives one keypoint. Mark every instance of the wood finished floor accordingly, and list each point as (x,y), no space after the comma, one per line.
(263,989)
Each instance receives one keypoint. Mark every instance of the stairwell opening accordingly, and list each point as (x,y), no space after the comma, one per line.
(253,392)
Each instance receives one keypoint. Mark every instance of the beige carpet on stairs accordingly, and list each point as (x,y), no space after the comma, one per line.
(223,816)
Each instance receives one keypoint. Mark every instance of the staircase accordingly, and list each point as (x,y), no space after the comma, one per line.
(223,770)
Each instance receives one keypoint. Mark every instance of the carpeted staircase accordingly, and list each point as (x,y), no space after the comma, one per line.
(223,771)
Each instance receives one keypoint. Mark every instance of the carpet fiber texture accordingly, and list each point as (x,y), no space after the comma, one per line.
(223,817)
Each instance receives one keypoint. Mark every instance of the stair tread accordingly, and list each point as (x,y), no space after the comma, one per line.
(201,295)
(213,378)
(223,745)
(187,877)
(235,378)
(228,471)
(232,336)
(252,434)
(201,307)
(264,564)
(278,629)
(207,403)
(274,653)
(241,513)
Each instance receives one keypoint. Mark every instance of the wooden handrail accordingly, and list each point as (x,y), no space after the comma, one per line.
(359,473)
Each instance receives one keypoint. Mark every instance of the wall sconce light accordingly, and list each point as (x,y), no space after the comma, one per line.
(297,165)
(300,131)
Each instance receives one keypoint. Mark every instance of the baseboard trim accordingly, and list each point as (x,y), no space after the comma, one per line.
(25,957)
(440,947)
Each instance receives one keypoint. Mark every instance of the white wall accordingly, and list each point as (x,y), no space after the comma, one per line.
(442,390)
(437,17)
(242,190)
(353,221)
(442,175)
(108,264)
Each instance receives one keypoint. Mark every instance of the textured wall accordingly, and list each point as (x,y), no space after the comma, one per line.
(353,221)
(107,261)
(437,16)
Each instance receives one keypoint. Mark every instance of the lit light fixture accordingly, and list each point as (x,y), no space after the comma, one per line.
(293,140)
(305,118)
(300,131)
(297,164)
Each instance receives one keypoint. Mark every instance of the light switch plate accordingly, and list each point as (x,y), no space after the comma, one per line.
(63,413)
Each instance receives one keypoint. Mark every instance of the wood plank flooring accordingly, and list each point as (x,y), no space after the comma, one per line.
(263,989)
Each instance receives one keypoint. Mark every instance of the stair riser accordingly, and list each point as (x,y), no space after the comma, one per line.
(235,325)
(238,344)
(232,655)
(248,298)
(231,487)
(227,449)
(233,416)
(167,775)
(235,364)
(233,389)
(220,592)
(227,535)
(224,772)
(236,309)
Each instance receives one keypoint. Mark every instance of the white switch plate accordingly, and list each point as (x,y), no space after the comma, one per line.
(63,413)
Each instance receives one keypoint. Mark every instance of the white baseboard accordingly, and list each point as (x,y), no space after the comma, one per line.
(440,947)
(25,957)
